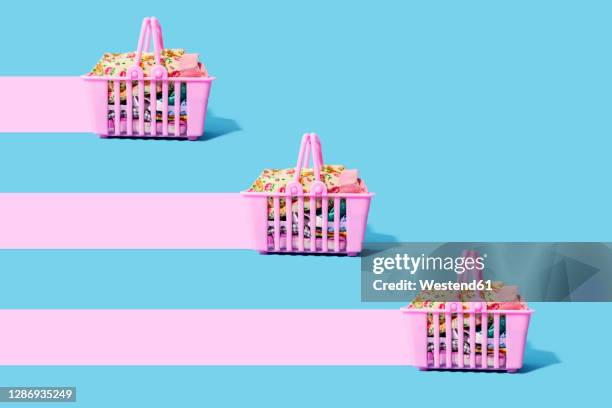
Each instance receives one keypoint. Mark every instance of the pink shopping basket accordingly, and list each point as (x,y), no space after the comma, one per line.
(453,351)
(357,208)
(197,92)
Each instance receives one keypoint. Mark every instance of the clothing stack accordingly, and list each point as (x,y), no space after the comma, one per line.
(177,63)
(337,179)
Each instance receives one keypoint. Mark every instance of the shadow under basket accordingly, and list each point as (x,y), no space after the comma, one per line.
(431,347)
(285,234)
(152,121)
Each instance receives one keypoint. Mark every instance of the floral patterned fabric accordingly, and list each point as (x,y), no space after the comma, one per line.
(276,180)
(117,64)
(177,63)
(501,297)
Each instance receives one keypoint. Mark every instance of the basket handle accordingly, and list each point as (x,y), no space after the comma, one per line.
(471,274)
(474,273)
(310,142)
(147,42)
(150,28)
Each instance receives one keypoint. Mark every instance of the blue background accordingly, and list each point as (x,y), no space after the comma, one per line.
(472,121)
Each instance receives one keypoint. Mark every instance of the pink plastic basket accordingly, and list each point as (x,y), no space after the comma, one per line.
(440,355)
(357,208)
(197,88)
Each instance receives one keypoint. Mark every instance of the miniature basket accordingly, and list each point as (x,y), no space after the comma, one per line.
(442,354)
(101,87)
(357,208)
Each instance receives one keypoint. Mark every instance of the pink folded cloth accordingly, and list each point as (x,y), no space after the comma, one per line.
(190,66)
(507,294)
(349,182)
(294,243)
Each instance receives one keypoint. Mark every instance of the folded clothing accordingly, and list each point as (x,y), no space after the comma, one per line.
(443,327)
(307,227)
(466,343)
(136,127)
(147,111)
(178,64)
(307,243)
(455,358)
(276,180)
(336,177)
(501,297)
(175,60)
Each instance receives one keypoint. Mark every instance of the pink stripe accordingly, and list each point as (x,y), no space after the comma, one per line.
(202,337)
(42,104)
(124,220)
